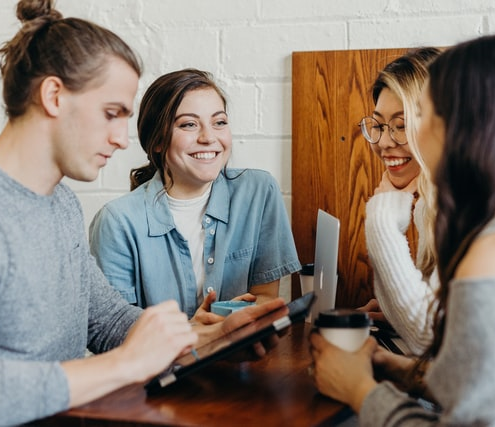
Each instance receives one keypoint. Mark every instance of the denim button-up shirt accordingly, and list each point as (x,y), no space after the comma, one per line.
(248,241)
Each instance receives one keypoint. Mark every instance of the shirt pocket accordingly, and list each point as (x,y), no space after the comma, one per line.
(239,255)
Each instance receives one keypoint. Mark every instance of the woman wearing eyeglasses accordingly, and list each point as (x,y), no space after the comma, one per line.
(403,287)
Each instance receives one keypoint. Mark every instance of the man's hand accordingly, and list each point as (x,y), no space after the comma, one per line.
(159,335)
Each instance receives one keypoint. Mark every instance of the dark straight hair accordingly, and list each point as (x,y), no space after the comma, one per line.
(462,89)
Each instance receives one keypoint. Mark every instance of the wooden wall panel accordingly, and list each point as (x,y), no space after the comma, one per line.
(333,167)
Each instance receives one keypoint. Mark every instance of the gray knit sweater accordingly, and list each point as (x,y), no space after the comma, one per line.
(462,377)
(55,302)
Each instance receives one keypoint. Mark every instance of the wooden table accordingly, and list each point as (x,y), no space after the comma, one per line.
(274,391)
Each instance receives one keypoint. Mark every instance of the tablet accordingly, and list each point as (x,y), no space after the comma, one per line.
(240,338)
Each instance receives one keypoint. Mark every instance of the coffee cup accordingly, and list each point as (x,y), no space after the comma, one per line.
(307,283)
(345,328)
(306,278)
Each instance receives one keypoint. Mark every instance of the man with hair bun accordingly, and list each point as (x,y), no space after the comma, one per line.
(68,106)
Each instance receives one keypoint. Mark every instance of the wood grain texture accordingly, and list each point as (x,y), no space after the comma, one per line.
(333,167)
(274,391)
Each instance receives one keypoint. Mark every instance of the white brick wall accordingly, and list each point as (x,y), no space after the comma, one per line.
(247,44)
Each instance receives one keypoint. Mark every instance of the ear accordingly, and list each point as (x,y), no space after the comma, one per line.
(50,92)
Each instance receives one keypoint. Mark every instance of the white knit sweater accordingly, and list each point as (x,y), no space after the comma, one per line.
(403,295)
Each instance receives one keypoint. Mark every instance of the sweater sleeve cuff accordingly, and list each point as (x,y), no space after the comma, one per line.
(385,405)
(391,207)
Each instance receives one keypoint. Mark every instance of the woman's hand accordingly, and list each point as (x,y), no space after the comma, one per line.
(239,318)
(392,367)
(341,375)
(204,315)
(248,315)
(245,297)
(374,311)
(401,371)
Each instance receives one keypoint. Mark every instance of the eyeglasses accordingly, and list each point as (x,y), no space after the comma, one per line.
(372,130)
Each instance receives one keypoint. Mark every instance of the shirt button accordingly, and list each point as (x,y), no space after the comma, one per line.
(208,220)
(210,289)
(212,232)
(211,260)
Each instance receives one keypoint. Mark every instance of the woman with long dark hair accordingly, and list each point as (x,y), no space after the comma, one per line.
(456,141)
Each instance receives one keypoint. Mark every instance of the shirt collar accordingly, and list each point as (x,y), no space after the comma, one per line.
(219,204)
(160,219)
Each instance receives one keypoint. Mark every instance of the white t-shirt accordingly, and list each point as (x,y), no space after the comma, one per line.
(188,216)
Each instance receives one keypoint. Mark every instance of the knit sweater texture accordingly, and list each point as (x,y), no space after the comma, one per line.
(462,376)
(55,300)
(402,292)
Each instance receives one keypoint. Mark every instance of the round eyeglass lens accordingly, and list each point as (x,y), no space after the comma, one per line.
(372,130)
(397,129)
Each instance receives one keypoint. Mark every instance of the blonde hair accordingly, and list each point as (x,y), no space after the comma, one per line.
(405,77)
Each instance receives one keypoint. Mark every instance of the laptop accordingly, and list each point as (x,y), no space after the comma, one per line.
(326,257)
(226,345)
(388,338)
(326,278)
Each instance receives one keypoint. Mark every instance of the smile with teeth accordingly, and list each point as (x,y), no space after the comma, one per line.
(396,161)
(204,155)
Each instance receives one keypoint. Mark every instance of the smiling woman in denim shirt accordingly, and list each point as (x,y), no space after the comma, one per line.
(192,229)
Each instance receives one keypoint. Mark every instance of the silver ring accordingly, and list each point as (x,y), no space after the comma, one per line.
(311,370)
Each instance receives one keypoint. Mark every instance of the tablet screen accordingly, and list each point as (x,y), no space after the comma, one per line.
(227,344)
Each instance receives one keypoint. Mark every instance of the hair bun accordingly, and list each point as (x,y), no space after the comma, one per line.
(28,10)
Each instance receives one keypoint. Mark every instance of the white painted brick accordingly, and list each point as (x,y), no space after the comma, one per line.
(242,103)
(442,7)
(198,12)
(320,9)
(8,22)
(265,51)
(410,32)
(490,24)
(190,47)
(103,12)
(115,176)
(92,203)
(276,109)
(267,154)
(248,46)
